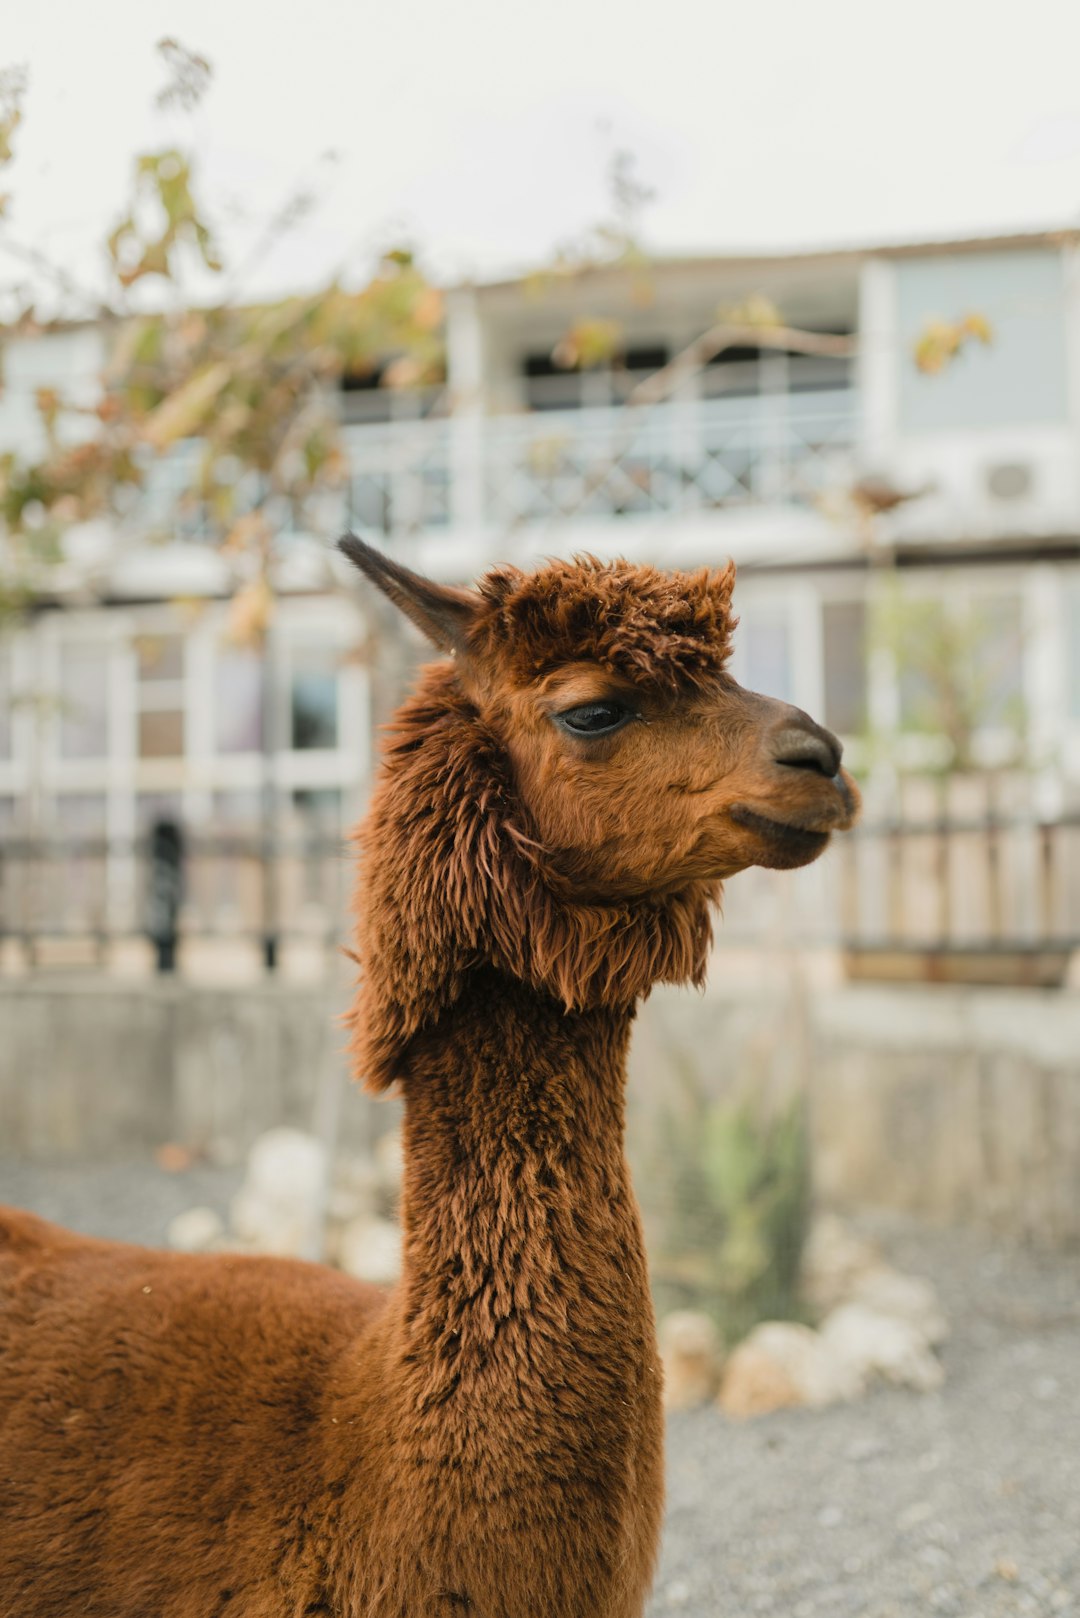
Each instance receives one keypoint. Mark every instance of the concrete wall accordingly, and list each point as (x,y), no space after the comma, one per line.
(94,1066)
(954,1103)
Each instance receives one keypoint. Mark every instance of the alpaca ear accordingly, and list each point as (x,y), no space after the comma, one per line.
(442,612)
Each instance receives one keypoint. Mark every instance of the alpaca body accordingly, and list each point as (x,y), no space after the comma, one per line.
(243,1438)
(348,1452)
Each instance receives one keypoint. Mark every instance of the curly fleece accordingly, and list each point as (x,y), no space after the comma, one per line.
(668,630)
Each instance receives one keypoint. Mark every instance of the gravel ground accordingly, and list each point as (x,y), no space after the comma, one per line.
(964,1502)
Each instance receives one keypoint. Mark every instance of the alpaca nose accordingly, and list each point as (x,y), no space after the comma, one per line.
(808,747)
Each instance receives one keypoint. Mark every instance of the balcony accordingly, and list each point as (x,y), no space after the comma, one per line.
(685,457)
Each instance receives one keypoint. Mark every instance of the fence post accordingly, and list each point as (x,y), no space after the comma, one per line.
(165,890)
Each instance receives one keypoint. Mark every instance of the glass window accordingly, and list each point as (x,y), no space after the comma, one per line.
(81,814)
(160,657)
(238,704)
(960,665)
(314,698)
(161,733)
(319,809)
(767,656)
(241,810)
(84,701)
(844,645)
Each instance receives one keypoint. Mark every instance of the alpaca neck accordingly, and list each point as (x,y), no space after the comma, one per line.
(522,1240)
(524,1307)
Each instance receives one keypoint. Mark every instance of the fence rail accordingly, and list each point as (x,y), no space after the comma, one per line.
(677,457)
(991,885)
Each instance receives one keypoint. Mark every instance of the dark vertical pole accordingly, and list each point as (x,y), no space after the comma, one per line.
(165,891)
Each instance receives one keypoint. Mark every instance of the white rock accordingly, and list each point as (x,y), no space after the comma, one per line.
(691,1355)
(782,1364)
(834,1260)
(370,1250)
(287,1166)
(196,1230)
(263,1225)
(871,1344)
(904,1297)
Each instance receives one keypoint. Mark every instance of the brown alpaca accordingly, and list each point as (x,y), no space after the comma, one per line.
(184,1437)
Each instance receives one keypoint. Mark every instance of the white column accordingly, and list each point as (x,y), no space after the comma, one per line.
(465,379)
(876,367)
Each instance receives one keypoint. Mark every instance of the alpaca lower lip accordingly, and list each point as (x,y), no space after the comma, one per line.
(782,831)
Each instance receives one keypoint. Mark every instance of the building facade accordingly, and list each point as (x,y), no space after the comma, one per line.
(908,541)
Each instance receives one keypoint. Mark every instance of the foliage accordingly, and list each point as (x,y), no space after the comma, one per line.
(730,1207)
(250,390)
(941,341)
(12,91)
(955,660)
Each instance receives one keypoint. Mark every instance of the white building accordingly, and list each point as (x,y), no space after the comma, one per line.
(123,699)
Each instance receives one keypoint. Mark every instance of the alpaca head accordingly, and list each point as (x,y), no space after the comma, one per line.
(641,764)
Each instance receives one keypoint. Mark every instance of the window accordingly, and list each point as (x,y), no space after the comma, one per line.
(551,386)
(81,815)
(84,700)
(238,704)
(161,735)
(767,655)
(238,811)
(160,663)
(960,665)
(319,810)
(844,646)
(314,698)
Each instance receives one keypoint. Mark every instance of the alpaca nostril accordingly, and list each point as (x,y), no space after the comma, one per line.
(802,749)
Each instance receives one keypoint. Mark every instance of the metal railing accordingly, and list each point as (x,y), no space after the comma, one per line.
(94,893)
(678,457)
(1001,885)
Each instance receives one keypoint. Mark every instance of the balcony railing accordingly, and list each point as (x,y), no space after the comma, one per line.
(680,457)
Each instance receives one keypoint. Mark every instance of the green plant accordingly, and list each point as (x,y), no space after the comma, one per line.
(727,1198)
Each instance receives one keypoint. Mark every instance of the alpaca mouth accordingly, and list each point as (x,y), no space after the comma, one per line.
(788,844)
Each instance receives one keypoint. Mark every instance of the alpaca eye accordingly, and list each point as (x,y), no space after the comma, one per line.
(594,718)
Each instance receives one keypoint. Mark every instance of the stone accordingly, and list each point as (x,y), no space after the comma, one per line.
(279,1207)
(196,1230)
(691,1355)
(780,1365)
(370,1250)
(904,1297)
(834,1260)
(872,1346)
(287,1166)
(262,1225)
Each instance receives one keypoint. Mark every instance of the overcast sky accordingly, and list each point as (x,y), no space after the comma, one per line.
(482,129)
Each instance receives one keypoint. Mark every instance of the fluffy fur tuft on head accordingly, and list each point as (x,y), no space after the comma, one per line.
(451,879)
(669,630)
